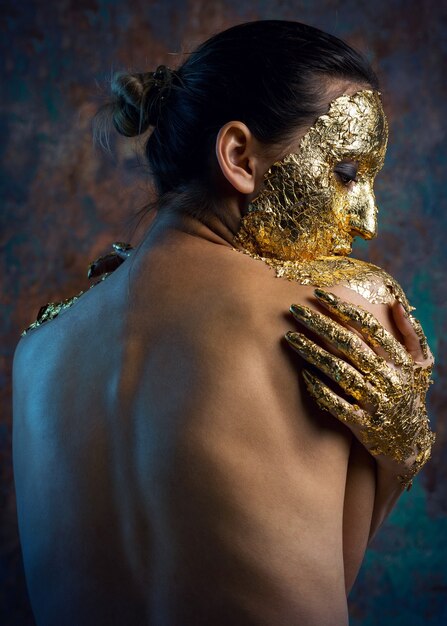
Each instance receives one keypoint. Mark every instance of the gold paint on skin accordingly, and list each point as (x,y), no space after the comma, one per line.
(52,309)
(399,427)
(304,210)
(302,224)
(304,213)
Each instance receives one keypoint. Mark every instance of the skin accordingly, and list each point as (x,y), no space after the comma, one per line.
(170,467)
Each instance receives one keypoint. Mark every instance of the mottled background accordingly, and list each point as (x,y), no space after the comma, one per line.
(65,202)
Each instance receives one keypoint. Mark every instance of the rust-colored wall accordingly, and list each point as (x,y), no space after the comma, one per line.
(65,203)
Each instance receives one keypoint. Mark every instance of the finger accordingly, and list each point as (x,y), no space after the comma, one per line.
(349,379)
(341,338)
(411,340)
(328,400)
(414,340)
(375,334)
(356,419)
(426,352)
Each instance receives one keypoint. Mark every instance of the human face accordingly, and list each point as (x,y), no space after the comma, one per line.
(317,199)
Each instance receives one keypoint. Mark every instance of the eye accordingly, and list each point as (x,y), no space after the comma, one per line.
(346,172)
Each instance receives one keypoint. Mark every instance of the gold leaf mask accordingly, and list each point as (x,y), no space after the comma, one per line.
(316,200)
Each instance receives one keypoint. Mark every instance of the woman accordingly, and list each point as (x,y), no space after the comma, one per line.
(169,467)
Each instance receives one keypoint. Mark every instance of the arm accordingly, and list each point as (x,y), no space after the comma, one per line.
(388,487)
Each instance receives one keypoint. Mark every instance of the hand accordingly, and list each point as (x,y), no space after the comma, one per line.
(111,261)
(389,386)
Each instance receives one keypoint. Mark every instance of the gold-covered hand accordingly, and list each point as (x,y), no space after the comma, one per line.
(389,415)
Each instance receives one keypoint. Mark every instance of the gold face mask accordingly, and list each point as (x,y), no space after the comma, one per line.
(315,201)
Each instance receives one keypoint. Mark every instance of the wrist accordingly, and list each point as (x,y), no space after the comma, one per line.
(400,473)
(405,471)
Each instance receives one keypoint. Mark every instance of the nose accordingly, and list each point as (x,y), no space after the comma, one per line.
(363,210)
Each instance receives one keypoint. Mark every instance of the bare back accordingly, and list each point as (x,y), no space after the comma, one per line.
(170,469)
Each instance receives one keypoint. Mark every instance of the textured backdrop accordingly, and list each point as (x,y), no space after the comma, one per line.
(65,202)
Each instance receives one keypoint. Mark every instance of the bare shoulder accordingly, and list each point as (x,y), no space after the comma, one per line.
(361,283)
(65,334)
(372,282)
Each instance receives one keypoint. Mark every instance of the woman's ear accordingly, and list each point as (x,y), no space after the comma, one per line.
(235,152)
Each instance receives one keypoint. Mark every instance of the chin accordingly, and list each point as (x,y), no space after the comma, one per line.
(343,249)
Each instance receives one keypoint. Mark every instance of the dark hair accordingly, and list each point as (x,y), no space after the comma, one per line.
(272,75)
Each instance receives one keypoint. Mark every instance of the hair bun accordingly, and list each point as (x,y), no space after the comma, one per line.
(138,99)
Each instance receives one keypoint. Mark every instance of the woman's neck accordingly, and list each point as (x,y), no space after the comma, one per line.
(211,227)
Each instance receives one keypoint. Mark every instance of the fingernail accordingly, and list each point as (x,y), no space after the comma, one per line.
(300,311)
(309,379)
(405,313)
(325,296)
(296,339)
(307,376)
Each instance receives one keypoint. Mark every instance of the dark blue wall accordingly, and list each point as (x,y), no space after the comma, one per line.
(65,202)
